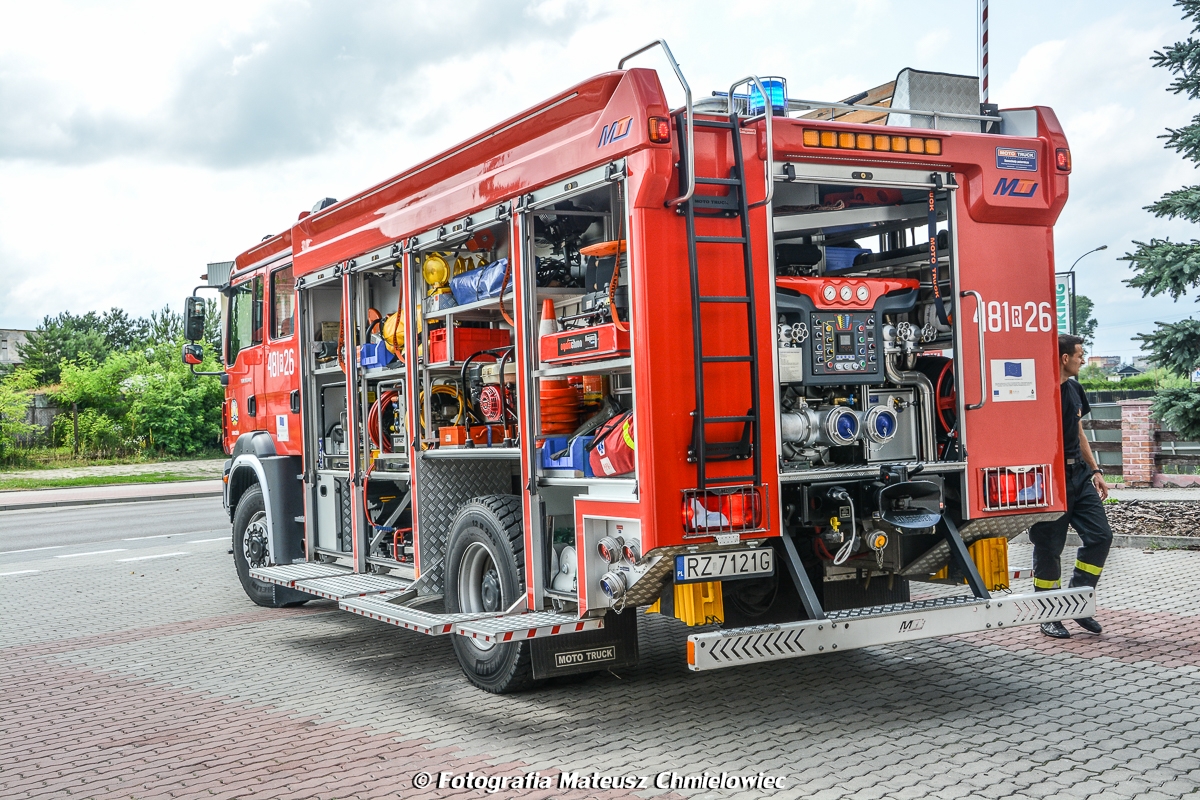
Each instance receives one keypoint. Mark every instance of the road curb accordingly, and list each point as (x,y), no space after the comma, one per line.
(1131,541)
(1145,542)
(108,501)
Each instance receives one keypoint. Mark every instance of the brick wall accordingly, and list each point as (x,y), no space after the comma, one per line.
(1138,444)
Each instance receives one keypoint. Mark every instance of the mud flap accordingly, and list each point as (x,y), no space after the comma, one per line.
(614,645)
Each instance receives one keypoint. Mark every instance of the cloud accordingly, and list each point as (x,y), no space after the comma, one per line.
(1112,105)
(295,80)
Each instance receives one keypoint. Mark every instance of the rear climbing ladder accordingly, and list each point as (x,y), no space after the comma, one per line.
(700,209)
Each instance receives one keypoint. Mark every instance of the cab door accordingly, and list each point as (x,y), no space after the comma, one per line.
(244,357)
(279,403)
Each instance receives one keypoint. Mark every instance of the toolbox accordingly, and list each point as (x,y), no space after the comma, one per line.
(374,355)
(466,342)
(584,344)
(481,435)
(573,463)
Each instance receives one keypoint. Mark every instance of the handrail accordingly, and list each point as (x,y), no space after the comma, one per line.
(803,105)
(982,352)
(768,114)
(690,135)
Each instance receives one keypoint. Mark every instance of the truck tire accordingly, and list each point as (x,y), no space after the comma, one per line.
(249,548)
(485,571)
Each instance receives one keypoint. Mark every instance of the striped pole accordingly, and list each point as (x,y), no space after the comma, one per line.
(983,50)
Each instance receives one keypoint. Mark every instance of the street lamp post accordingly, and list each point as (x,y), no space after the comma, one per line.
(1071,272)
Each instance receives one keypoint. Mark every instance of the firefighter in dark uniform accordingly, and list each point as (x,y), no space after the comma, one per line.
(1086,492)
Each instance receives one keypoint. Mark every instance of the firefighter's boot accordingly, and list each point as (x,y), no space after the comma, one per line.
(1056,630)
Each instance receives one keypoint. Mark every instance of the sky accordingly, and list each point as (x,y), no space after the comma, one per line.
(141,140)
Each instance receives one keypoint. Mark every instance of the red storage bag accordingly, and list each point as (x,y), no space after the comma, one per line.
(614,450)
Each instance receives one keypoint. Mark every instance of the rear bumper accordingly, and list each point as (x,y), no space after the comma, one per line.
(902,622)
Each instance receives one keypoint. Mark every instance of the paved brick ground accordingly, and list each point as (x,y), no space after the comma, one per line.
(166,682)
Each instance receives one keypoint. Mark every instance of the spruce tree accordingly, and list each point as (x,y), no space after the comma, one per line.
(1166,267)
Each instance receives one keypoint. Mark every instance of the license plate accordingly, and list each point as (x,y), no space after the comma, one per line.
(723,564)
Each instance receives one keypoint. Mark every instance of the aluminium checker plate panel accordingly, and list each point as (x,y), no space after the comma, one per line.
(288,574)
(377,607)
(443,486)
(534,625)
(884,625)
(360,584)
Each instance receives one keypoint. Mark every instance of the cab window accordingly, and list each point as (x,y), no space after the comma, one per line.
(283,303)
(245,317)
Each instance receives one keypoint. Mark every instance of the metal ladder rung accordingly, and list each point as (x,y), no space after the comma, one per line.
(719,420)
(720,298)
(718,181)
(720,240)
(708,123)
(730,478)
(727,359)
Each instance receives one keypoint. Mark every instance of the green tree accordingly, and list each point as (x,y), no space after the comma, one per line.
(14,402)
(1085,323)
(141,400)
(121,331)
(1162,266)
(65,337)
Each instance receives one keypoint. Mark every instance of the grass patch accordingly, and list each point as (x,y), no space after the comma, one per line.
(62,457)
(97,480)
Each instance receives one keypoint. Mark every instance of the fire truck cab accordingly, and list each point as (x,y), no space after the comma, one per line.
(785,370)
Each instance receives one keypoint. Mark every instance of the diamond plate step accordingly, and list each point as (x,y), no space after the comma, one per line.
(354,585)
(902,622)
(377,607)
(900,608)
(534,625)
(288,574)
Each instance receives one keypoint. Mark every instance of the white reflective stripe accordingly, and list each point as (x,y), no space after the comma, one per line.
(250,460)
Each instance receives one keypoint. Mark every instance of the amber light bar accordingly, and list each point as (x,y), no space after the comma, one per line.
(847,140)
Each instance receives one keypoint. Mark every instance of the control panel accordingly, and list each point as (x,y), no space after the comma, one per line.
(835,324)
(844,344)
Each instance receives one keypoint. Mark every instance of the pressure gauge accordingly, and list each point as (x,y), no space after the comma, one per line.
(830,293)
(846,293)
(863,293)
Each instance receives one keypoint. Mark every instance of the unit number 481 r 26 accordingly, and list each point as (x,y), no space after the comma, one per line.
(1030,316)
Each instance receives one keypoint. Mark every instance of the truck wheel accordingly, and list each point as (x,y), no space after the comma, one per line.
(250,551)
(485,567)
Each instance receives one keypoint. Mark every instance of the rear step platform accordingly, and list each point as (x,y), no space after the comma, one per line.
(288,574)
(533,625)
(488,627)
(901,622)
(415,619)
(360,584)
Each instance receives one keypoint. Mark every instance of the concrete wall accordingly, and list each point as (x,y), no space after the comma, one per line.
(9,340)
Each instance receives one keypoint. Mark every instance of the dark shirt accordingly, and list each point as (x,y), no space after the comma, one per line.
(1074,408)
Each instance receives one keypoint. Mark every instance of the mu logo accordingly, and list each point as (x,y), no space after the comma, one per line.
(615,131)
(1016,187)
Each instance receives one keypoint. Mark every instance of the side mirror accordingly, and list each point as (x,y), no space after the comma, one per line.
(193,321)
(193,354)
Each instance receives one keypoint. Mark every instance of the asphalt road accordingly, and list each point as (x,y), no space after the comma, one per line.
(121,530)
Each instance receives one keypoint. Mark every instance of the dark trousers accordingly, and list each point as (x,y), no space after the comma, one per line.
(1085,513)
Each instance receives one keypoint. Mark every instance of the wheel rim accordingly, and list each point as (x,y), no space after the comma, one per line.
(254,541)
(479,588)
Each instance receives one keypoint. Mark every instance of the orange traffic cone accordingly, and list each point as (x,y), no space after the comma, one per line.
(549,323)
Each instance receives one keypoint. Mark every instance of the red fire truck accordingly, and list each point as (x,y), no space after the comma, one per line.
(782,369)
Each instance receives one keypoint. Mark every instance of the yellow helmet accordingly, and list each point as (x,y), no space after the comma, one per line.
(393,333)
